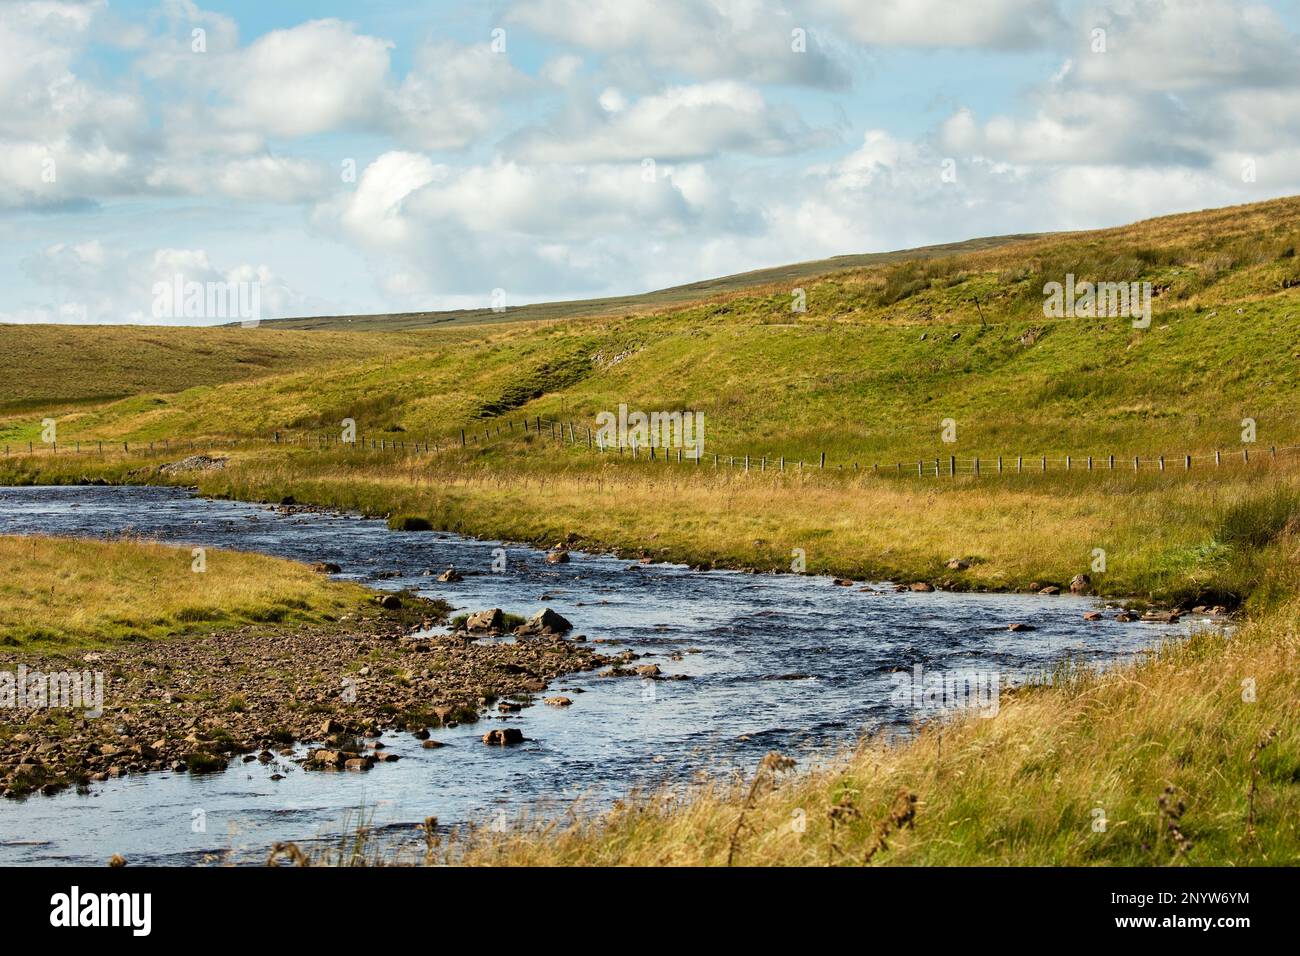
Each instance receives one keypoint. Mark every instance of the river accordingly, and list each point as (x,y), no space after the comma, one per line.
(789,662)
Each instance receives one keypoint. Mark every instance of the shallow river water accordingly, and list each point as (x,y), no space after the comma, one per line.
(776,662)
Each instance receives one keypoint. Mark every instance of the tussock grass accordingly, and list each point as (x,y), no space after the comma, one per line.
(67,594)
(1163,535)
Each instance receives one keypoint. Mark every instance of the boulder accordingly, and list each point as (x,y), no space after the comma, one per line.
(957,564)
(842,582)
(450,576)
(1092,616)
(557,557)
(504,736)
(323,758)
(1050,589)
(920,586)
(1161,617)
(390,602)
(1017,628)
(326,567)
(558,701)
(490,620)
(648,670)
(1080,584)
(546,621)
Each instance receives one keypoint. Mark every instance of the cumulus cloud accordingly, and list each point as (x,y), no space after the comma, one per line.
(310,78)
(779,130)
(91,282)
(993,24)
(681,122)
(752,40)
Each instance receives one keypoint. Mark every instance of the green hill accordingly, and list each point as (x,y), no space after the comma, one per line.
(880,358)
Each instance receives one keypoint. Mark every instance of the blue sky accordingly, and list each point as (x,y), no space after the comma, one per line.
(129,157)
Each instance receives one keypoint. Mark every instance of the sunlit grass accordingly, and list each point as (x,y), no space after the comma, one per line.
(58,593)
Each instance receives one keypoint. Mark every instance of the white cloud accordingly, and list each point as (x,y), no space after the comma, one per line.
(311,78)
(451,98)
(1164,47)
(90,282)
(995,24)
(748,40)
(681,122)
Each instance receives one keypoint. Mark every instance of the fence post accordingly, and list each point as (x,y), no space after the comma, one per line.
(1020,463)
(1112,462)
(1067,462)
(1162,462)
(1187,463)
(999,464)
(746,464)
(1245,455)
(823,464)
(1135,462)
(1044,463)
(919,473)
(975,466)
(1090,463)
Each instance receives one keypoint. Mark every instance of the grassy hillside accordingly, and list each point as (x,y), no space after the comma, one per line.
(54,367)
(881,357)
(644,302)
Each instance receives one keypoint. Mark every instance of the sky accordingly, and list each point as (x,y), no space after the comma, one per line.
(392,156)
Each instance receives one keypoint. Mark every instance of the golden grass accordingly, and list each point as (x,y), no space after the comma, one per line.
(1157,531)
(60,593)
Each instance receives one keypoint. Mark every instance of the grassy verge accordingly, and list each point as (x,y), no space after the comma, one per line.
(62,594)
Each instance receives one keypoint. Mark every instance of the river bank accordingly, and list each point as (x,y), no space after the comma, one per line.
(1017,535)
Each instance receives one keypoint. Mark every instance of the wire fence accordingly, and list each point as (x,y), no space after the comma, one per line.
(577,435)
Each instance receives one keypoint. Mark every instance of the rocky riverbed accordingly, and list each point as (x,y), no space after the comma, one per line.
(195,705)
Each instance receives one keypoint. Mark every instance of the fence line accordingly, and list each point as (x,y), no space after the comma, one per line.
(579,436)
